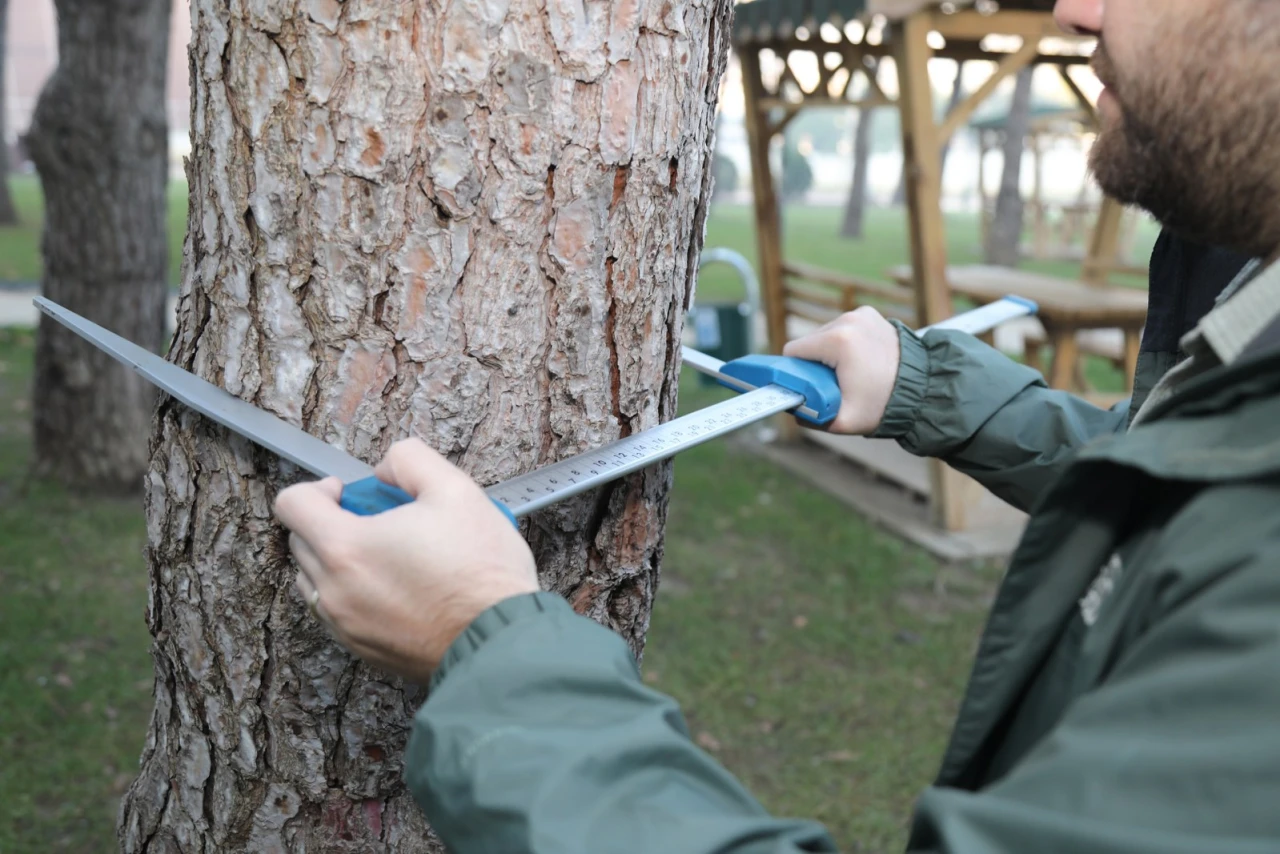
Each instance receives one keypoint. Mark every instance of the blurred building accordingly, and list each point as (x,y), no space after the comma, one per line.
(32,54)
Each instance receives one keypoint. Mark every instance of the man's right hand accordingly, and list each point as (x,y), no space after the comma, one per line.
(862,348)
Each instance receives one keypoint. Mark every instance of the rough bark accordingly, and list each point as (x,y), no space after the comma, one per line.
(477,223)
(99,141)
(8,214)
(1004,239)
(855,209)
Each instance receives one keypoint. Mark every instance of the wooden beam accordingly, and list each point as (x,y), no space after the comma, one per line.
(789,112)
(1010,65)
(969,24)
(1104,244)
(768,223)
(805,310)
(1088,106)
(957,47)
(873,83)
(844,281)
(922,168)
(770,104)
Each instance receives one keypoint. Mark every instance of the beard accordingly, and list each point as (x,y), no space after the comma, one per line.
(1197,141)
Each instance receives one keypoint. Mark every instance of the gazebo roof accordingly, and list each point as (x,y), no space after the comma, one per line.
(759,19)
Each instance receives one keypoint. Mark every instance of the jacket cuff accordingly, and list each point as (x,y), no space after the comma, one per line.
(909,389)
(492,621)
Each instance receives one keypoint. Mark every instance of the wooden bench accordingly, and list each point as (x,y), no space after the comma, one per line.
(1067,308)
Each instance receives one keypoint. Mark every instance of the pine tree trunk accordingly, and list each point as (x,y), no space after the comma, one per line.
(1004,240)
(99,142)
(855,209)
(474,223)
(8,214)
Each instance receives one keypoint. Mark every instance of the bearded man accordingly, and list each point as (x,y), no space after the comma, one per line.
(1126,693)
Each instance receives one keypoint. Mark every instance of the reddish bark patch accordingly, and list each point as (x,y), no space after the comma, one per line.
(361,371)
(373,815)
(584,598)
(322,142)
(418,265)
(620,177)
(375,148)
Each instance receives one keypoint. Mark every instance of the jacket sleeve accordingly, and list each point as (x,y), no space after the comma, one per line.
(539,737)
(1176,753)
(987,416)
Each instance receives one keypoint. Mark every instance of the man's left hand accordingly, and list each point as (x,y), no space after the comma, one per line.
(397,588)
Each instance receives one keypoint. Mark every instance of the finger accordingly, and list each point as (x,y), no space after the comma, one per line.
(311,510)
(416,468)
(331,486)
(307,559)
(305,588)
(825,347)
(311,598)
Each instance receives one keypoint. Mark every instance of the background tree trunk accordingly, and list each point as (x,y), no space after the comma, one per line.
(1004,241)
(8,214)
(475,223)
(99,142)
(855,209)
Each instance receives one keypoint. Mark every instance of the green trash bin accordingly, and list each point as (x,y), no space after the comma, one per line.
(724,330)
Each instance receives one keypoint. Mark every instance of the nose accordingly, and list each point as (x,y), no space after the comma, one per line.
(1080,17)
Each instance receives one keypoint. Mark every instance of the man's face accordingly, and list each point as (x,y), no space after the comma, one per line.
(1190,119)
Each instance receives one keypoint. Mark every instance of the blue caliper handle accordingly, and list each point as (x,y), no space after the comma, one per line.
(815,381)
(370,496)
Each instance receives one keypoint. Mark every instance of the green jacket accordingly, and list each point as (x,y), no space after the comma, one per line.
(1125,696)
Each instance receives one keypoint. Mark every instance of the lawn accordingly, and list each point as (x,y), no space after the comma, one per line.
(819,658)
(20,247)
(810,235)
(75,676)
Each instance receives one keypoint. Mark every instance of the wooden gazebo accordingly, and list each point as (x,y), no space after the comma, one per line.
(848,38)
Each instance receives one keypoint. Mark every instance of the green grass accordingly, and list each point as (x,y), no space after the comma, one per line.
(20,246)
(75,675)
(818,658)
(811,235)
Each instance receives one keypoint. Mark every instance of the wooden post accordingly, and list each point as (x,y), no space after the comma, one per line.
(768,222)
(1041,219)
(983,220)
(922,169)
(1105,243)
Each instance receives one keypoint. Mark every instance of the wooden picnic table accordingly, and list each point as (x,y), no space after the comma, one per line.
(1067,307)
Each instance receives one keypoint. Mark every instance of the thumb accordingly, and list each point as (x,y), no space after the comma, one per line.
(418,469)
